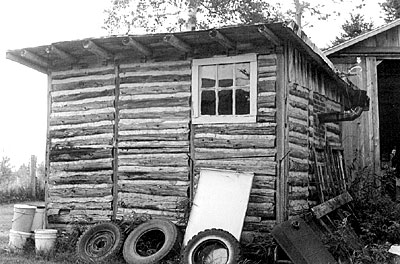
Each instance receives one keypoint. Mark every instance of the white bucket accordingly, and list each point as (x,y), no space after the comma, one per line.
(45,239)
(38,218)
(18,239)
(23,217)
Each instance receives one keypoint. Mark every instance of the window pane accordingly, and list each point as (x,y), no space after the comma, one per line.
(207,76)
(242,74)
(242,101)
(208,103)
(225,75)
(225,102)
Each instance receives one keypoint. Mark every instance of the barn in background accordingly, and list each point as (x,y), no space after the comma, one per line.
(132,120)
(372,62)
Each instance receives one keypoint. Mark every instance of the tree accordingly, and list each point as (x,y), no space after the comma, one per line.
(174,15)
(391,8)
(353,28)
(5,170)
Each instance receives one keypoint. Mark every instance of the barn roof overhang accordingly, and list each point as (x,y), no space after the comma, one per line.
(227,40)
(351,47)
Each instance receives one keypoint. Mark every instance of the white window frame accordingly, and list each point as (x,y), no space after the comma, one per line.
(201,119)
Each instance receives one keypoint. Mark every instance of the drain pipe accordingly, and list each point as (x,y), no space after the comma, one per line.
(350,115)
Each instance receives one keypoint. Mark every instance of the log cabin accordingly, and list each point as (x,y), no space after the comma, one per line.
(132,120)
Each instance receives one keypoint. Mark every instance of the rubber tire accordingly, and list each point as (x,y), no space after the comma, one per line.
(172,240)
(109,233)
(199,242)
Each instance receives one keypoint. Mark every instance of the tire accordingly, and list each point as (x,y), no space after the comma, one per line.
(151,241)
(212,246)
(99,242)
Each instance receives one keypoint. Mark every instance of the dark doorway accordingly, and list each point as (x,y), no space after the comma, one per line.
(389,107)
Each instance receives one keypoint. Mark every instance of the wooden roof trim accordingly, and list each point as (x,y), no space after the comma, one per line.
(95,49)
(177,43)
(363,51)
(268,34)
(362,37)
(36,59)
(129,41)
(221,39)
(25,62)
(60,53)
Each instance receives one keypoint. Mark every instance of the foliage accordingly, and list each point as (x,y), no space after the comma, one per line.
(353,28)
(5,170)
(172,15)
(391,8)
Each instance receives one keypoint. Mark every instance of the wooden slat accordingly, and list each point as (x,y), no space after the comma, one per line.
(331,205)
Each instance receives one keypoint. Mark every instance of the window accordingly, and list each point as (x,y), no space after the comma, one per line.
(225,89)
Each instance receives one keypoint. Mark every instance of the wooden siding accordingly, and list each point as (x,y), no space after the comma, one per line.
(247,148)
(153,139)
(81,132)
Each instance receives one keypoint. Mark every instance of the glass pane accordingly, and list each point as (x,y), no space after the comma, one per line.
(242,74)
(225,102)
(208,103)
(225,75)
(207,76)
(242,101)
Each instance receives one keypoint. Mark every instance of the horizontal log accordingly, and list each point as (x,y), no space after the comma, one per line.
(299,92)
(173,160)
(297,207)
(93,141)
(60,75)
(298,152)
(79,154)
(267,100)
(261,209)
(81,119)
(128,103)
(88,82)
(298,113)
(148,115)
(303,142)
(142,169)
(266,115)
(81,131)
(157,78)
(264,182)
(265,226)
(66,114)
(256,165)
(155,66)
(154,175)
(82,165)
(298,102)
(81,79)
(78,216)
(267,73)
(57,108)
(266,85)
(168,72)
(93,125)
(161,188)
(68,200)
(65,207)
(205,140)
(80,190)
(298,164)
(298,193)
(82,96)
(154,214)
(91,90)
(266,60)
(297,178)
(153,123)
(152,202)
(261,198)
(223,153)
(237,129)
(155,133)
(297,127)
(88,101)
(154,144)
(90,177)
(152,150)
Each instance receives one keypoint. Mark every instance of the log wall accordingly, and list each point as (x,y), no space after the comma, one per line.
(153,139)
(247,148)
(81,130)
(310,92)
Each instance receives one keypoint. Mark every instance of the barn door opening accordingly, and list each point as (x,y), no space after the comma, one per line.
(389,107)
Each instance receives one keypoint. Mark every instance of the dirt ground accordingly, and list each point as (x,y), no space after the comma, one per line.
(6,216)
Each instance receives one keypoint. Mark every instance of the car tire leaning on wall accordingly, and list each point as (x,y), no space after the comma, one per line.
(214,246)
(99,242)
(151,241)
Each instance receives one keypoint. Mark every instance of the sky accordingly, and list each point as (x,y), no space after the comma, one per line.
(31,23)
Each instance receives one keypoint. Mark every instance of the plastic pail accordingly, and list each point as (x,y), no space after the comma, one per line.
(45,239)
(38,218)
(23,217)
(18,239)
